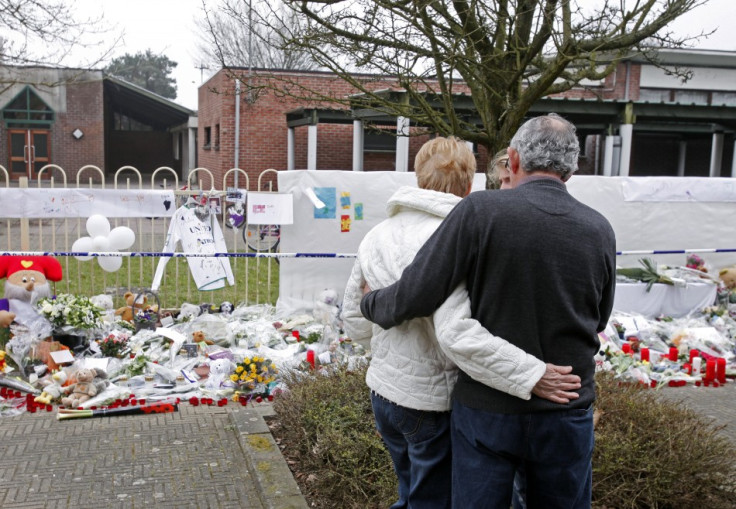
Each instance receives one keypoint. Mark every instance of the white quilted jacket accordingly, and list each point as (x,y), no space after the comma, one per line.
(412,366)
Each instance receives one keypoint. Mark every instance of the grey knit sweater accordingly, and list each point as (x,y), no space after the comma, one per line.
(540,270)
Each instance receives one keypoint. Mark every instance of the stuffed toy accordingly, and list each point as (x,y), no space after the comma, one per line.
(28,276)
(6,317)
(327,310)
(54,388)
(89,383)
(188,312)
(199,337)
(126,313)
(728,276)
(220,370)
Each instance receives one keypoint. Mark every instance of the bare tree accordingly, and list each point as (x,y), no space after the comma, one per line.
(238,33)
(505,54)
(48,32)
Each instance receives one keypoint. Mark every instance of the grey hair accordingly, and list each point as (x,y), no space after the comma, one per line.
(547,143)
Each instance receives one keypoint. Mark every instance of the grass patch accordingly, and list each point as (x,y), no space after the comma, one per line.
(650,453)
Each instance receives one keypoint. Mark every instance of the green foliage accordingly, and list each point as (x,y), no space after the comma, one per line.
(649,453)
(146,70)
(326,423)
(653,453)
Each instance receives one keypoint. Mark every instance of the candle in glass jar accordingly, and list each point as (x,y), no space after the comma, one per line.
(697,365)
(710,370)
(626,347)
(644,352)
(694,353)
(721,370)
(673,354)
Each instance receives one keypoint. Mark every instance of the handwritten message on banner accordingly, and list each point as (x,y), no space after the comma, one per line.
(270,208)
(62,202)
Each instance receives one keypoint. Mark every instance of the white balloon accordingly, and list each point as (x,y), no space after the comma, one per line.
(101,243)
(121,237)
(98,225)
(110,263)
(83,245)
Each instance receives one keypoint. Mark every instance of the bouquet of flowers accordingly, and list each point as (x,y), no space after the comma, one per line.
(114,345)
(71,311)
(252,373)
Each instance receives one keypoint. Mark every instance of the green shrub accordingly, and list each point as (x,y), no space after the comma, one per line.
(649,453)
(327,433)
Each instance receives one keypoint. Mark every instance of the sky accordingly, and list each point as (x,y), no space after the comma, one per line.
(167,27)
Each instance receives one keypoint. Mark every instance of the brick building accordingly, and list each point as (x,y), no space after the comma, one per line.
(73,118)
(638,121)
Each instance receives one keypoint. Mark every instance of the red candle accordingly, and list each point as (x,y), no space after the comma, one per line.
(310,357)
(693,353)
(295,333)
(721,370)
(710,370)
(626,347)
(673,354)
(644,352)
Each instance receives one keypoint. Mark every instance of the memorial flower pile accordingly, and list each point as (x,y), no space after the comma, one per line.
(114,345)
(66,310)
(253,372)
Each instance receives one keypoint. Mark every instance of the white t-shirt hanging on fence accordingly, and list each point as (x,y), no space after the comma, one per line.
(199,236)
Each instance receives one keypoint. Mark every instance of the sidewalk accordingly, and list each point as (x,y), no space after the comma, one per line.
(198,457)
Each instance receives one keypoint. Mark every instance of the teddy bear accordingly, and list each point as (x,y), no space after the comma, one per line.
(220,370)
(54,388)
(89,382)
(126,313)
(199,337)
(728,276)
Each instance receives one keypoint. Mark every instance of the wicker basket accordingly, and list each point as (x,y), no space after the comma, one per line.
(151,318)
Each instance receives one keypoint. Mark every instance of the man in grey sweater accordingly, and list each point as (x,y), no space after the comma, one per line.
(540,271)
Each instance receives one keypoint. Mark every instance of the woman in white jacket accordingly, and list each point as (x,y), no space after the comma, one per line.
(414,365)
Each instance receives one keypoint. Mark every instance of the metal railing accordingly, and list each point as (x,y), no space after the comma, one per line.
(256,277)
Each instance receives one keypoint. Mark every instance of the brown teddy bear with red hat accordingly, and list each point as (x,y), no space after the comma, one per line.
(29,276)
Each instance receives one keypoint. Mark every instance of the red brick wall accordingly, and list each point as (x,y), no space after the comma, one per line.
(84,110)
(263,130)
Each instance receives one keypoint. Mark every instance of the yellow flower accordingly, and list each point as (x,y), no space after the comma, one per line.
(252,367)
(246,360)
(234,378)
(239,369)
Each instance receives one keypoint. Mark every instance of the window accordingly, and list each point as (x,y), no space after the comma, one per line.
(379,141)
(27,110)
(207,138)
(724,99)
(691,97)
(122,122)
(654,95)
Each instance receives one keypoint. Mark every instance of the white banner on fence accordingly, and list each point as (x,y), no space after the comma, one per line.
(690,189)
(270,208)
(73,202)
(356,201)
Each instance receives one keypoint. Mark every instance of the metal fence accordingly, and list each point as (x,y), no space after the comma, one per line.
(256,274)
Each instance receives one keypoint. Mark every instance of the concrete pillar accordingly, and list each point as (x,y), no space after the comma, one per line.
(312,147)
(608,156)
(357,145)
(733,161)
(716,155)
(402,144)
(681,156)
(627,131)
(290,149)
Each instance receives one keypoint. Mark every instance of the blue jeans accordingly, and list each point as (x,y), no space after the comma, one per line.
(419,444)
(555,450)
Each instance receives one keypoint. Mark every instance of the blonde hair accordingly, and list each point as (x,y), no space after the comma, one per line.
(446,165)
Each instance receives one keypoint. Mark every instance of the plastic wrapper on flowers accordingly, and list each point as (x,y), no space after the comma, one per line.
(250,334)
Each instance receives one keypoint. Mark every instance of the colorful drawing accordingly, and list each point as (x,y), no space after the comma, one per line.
(345,199)
(344,223)
(328,196)
(358,211)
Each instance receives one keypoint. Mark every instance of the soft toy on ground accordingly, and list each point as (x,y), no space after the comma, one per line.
(54,388)
(327,309)
(220,370)
(6,316)
(29,276)
(728,276)
(126,313)
(199,337)
(89,383)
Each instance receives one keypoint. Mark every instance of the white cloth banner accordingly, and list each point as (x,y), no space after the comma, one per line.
(674,301)
(691,189)
(270,208)
(66,202)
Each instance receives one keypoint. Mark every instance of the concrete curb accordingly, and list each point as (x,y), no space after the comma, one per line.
(274,482)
